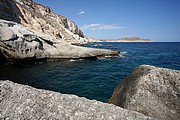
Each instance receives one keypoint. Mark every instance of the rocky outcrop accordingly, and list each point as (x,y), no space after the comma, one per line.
(24,102)
(40,18)
(152,91)
(38,33)
(17,42)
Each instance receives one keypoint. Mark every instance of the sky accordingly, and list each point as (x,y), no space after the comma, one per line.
(158,20)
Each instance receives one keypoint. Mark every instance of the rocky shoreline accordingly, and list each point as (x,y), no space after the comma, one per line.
(30,31)
(148,93)
(19,43)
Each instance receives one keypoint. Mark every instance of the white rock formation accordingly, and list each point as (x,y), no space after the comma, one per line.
(17,42)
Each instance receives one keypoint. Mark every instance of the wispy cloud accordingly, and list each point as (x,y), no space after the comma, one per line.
(82,12)
(100,27)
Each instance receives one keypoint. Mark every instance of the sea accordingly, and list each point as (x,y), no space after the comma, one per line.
(93,79)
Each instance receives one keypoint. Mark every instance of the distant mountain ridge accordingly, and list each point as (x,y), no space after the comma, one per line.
(128,39)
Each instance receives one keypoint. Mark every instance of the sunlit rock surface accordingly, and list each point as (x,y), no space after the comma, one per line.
(41,18)
(24,102)
(18,42)
(152,91)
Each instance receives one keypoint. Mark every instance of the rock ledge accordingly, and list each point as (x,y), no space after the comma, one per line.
(24,102)
(20,43)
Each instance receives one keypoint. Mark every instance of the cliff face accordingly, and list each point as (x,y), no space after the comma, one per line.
(24,102)
(40,18)
(38,33)
(18,43)
(152,91)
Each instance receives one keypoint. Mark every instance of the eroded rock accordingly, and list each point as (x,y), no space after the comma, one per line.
(40,18)
(17,43)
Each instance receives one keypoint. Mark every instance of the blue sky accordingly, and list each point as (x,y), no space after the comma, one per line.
(158,20)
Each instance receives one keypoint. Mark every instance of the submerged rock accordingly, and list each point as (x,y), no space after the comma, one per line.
(18,43)
(150,90)
(24,102)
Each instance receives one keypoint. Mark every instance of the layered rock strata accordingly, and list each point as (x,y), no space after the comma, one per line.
(41,18)
(150,90)
(24,102)
(17,43)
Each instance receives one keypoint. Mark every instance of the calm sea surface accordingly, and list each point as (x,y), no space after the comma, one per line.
(93,79)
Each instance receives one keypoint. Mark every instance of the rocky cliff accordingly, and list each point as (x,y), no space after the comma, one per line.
(24,102)
(40,18)
(30,31)
(20,43)
(152,91)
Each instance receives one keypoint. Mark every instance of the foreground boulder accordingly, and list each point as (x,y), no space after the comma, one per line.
(19,43)
(24,102)
(152,91)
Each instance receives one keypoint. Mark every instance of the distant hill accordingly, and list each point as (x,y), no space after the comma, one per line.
(128,39)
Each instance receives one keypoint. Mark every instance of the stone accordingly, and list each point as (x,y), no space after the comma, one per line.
(24,102)
(150,90)
(41,18)
(31,31)
(18,43)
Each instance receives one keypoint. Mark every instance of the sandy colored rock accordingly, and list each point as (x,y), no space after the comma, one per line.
(152,91)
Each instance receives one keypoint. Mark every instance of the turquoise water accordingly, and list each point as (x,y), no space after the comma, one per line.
(93,79)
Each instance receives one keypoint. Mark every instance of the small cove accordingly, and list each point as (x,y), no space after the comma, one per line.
(93,79)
